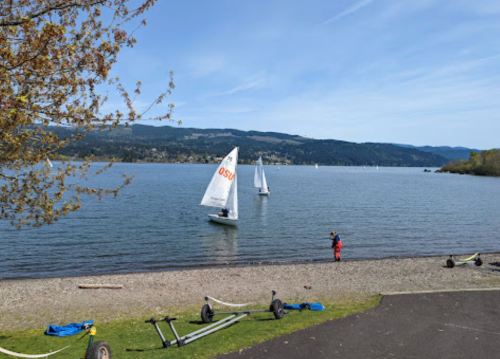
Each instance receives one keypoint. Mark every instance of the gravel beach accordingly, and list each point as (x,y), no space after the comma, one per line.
(39,302)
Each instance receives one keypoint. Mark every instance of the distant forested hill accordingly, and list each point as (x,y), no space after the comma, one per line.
(180,144)
(450,153)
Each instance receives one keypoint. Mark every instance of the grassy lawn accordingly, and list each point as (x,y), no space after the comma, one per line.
(135,339)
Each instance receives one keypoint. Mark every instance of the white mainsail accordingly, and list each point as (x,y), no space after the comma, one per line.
(232,200)
(264,182)
(259,180)
(222,192)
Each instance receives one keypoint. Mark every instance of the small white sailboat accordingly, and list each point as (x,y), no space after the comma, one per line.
(259,179)
(316,166)
(222,191)
(49,163)
(377,167)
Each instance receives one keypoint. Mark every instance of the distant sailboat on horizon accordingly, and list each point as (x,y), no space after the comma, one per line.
(222,191)
(316,166)
(259,179)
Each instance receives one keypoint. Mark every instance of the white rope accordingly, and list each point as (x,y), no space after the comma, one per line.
(229,304)
(8,352)
(20,355)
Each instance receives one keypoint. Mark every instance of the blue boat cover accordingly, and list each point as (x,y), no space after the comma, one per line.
(67,330)
(311,306)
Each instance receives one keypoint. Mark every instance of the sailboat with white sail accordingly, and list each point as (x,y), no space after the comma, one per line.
(222,192)
(259,179)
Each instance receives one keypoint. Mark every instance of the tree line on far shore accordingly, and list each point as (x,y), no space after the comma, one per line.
(486,163)
(140,143)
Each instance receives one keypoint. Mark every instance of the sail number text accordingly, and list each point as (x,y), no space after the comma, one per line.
(226,173)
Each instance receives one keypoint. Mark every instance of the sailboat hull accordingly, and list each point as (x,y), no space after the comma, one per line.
(264,193)
(223,220)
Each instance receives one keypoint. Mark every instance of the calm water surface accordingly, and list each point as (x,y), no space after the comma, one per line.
(157,223)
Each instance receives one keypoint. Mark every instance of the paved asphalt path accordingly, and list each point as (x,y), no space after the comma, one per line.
(452,325)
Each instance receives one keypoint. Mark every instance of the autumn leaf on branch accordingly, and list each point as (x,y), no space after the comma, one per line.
(55,59)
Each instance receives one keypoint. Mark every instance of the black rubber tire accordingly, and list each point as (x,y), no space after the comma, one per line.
(277,309)
(206,315)
(98,350)
(450,263)
(478,262)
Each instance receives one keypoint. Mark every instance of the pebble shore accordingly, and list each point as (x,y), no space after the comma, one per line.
(40,302)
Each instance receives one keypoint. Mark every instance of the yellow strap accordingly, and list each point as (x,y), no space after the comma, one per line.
(469,259)
(92,331)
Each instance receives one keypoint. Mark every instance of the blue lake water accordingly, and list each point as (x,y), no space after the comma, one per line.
(157,223)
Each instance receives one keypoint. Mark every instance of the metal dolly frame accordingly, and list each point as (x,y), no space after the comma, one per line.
(188,338)
(276,307)
(474,259)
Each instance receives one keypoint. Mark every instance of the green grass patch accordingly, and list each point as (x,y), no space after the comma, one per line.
(134,339)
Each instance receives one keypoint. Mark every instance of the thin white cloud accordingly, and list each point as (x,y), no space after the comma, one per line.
(244,87)
(348,11)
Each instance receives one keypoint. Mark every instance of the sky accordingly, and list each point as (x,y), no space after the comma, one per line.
(419,72)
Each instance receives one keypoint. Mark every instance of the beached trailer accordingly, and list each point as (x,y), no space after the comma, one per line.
(188,338)
(276,307)
(207,314)
(474,259)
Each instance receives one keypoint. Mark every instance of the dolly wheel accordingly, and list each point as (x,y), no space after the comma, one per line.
(478,262)
(450,263)
(98,350)
(206,315)
(277,309)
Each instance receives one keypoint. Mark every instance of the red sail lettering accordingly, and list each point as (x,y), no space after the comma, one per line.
(226,173)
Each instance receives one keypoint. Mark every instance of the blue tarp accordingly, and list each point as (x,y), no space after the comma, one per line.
(311,306)
(68,330)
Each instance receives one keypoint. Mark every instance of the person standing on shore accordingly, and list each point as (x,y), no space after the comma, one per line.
(336,245)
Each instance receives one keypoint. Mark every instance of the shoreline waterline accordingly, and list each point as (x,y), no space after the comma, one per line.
(237,265)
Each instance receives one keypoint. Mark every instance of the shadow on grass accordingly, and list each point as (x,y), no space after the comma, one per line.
(143,350)
(265,319)
(197,322)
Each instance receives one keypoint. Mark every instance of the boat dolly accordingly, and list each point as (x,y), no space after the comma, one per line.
(188,338)
(474,259)
(276,307)
(207,314)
